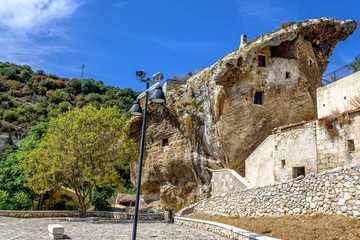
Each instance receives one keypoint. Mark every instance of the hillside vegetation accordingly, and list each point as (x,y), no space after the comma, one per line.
(28,97)
(30,105)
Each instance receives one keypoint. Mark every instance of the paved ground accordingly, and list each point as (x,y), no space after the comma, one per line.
(36,228)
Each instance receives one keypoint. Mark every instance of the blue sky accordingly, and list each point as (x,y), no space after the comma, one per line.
(114,38)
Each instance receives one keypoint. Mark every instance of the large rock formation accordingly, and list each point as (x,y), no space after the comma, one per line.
(225,111)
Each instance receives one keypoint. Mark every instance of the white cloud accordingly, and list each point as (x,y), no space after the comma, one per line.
(121,4)
(262,9)
(28,15)
(184,45)
(31,30)
(22,49)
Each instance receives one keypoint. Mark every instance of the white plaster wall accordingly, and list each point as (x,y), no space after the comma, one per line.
(297,147)
(279,67)
(227,180)
(259,166)
(338,95)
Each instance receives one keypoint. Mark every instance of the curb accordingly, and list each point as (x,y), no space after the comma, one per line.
(221,229)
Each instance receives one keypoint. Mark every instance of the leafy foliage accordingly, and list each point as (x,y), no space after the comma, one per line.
(13,193)
(83,148)
(355,65)
(28,98)
(285,23)
(101,198)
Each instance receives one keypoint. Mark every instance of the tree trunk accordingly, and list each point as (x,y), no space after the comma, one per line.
(49,201)
(40,202)
(82,208)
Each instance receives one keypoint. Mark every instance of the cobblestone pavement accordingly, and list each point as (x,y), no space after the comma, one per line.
(36,228)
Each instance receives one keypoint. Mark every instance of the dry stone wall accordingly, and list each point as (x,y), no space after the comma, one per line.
(334,191)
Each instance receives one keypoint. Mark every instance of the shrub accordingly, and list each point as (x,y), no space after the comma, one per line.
(285,23)
(92,97)
(75,84)
(80,104)
(64,106)
(40,72)
(52,76)
(96,104)
(50,83)
(10,116)
(101,198)
(7,127)
(24,76)
(89,86)
(37,78)
(22,119)
(61,205)
(60,83)
(8,73)
(329,124)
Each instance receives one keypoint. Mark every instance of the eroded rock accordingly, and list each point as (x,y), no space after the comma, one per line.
(224,112)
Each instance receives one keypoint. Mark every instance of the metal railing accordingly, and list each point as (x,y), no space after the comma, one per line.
(339,74)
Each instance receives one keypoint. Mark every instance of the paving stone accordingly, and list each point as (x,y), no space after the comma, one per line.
(104,229)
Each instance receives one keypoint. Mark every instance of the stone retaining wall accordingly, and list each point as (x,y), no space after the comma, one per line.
(50,214)
(221,229)
(334,191)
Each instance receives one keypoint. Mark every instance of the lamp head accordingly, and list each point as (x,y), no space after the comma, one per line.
(158,76)
(158,95)
(140,74)
(136,110)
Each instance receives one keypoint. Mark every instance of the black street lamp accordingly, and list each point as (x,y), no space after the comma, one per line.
(157,97)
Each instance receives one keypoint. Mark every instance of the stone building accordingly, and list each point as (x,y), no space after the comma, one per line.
(224,112)
(331,141)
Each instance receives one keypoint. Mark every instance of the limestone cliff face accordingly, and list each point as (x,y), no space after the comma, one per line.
(225,111)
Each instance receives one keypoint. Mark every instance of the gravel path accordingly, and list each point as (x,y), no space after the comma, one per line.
(36,228)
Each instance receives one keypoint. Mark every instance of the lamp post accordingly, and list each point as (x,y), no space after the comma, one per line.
(157,97)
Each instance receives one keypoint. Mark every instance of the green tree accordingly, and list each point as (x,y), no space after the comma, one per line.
(13,193)
(82,149)
(8,73)
(355,65)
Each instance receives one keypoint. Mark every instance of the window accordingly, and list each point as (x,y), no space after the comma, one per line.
(165,142)
(258,98)
(261,61)
(283,163)
(310,62)
(298,171)
(287,75)
(350,145)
